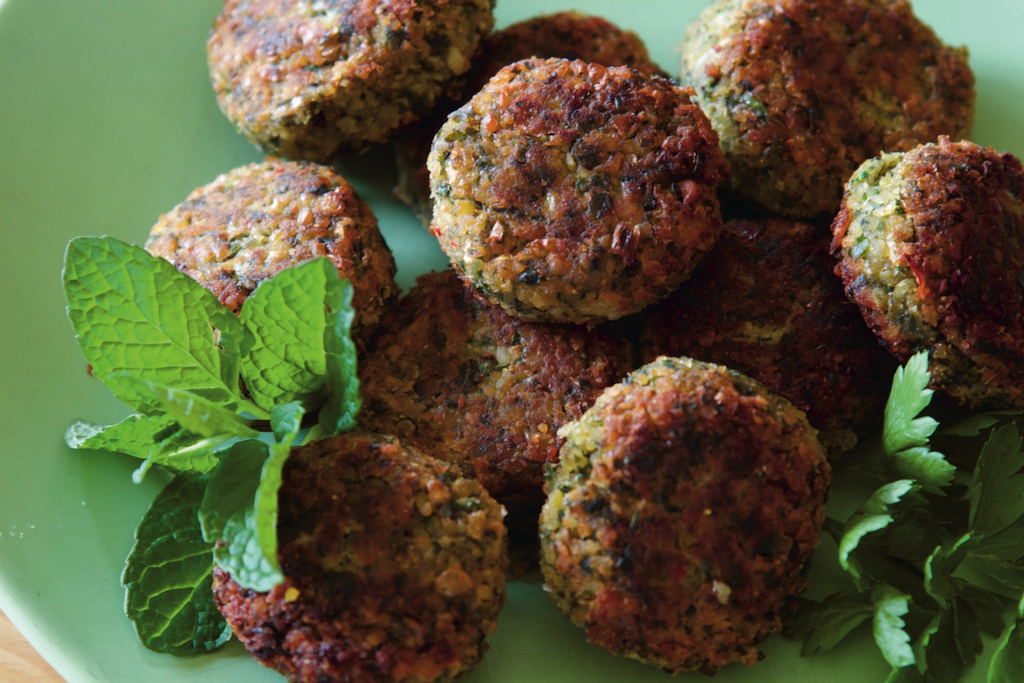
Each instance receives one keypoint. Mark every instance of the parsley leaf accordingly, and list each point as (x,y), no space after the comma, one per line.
(890,605)
(822,625)
(1007,664)
(875,514)
(997,488)
(168,575)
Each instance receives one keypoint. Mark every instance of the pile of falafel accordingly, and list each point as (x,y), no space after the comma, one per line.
(653,392)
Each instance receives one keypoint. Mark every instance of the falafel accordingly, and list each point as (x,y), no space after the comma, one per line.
(313,80)
(568,35)
(254,221)
(931,248)
(766,302)
(467,383)
(394,568)
(801,92)
(682,516)
(572,192)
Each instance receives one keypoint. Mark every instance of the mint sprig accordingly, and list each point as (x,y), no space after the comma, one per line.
(936,553)
(166,347)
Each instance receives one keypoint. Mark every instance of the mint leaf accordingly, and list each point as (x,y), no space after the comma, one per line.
(194,413)
(232,486)
(249,551)
(168,575)
(343,402)
(288,316)
(1007,664)
(822,625)
(135,435)
(135,314)
(157,439)
(872,516)
(909,396)
(890,605)
(997,487)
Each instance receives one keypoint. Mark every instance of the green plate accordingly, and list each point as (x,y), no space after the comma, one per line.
(107,120)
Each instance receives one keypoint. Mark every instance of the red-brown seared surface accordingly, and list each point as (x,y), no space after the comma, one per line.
(394,568)
(309,80)
(469,384)
(803,91)
(568,35)
(572,192)
(958,233)
(765,302)
(682,516)
(257,220)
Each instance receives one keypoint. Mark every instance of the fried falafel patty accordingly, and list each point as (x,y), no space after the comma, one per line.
(765,302)
(255,221)
(394,568)
(931,248)
(568,35)
(312,80)
(802,92)
(682,516)
(571,192)
(468,383)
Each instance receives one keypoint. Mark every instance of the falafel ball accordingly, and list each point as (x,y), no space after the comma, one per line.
(572,192)
(765,302)
(682,516)
(254,221)
(931,248)
(802,92)
(465,382)
(394,568)
(313,80)
(568,35)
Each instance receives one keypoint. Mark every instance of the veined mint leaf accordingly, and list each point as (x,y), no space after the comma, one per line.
(194,413)
(135,435)
(872,516)
(168,575)
(942,563)
(997,488)
(135,313)
(822,625)
(157,440)
(343,402)
(1007,664)
(232,486)
(909,396)
(249,551)
(890,605)
(288,316)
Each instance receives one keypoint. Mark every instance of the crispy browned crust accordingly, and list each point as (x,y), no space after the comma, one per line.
(765,302)
(682,516)
(394,568)
(467,383)
(802,92)
(568,35)
(958,231)
(572,192)
(257,220)
(308,81)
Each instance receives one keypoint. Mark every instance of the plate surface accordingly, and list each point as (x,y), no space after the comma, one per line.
(107,120)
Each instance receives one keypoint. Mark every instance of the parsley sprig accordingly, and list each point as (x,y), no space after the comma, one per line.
(206,385)
(936,554)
